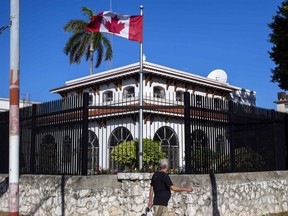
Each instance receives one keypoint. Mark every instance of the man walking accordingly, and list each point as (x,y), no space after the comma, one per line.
(161,186)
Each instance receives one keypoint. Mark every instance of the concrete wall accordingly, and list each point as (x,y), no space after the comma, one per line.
(127,194)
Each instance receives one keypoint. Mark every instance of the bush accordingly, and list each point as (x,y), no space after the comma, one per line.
(202,159)
(245,160)
(127,153)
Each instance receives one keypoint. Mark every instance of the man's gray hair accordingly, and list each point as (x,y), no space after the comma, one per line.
(163,163)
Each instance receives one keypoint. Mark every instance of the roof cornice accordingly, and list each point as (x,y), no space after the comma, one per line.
(147,68)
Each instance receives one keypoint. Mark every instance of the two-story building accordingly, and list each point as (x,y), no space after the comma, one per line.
(162,86)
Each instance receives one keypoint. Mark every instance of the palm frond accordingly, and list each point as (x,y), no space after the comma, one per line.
(108,46)
(76,47)
(73,54)
(73,40)
(79,43)
(83,47)
(87,11)
(98,47)
(75,26)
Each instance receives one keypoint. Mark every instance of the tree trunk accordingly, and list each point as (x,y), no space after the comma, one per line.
(91,50)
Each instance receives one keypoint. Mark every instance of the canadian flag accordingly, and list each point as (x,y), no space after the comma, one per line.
(129,27)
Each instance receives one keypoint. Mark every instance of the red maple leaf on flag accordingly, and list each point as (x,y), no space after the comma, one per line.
(114,26)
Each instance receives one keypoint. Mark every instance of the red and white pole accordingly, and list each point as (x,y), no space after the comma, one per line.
(14,132)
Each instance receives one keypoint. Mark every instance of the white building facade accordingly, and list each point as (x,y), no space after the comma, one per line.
(161,86)
(4,104)
(282,102)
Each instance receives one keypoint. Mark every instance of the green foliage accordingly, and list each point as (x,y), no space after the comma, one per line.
(202,158)
(152,152)
(245,160)
(279,51)
(127,153)
(84,43)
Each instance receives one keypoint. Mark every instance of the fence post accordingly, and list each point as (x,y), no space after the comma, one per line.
(85,110)
(33,135)
(273,116)
(4,142)
(187,130)
(232,135)
(286,136)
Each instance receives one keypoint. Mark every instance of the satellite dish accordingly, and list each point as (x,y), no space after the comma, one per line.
(218,75)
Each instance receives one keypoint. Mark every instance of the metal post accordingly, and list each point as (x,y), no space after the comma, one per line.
(187,123)
(141,103)
(276,158)
(232,136)
(84,165)
(33,139)
(14,108)
(286,140)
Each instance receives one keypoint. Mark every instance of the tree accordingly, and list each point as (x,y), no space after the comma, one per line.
(84,42)
(279,51)
(126,153)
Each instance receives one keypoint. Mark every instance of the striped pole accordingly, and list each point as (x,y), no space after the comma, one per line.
(14,109)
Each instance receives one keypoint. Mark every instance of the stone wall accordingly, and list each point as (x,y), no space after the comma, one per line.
(127,194)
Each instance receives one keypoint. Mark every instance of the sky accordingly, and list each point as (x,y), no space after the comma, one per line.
(196,36)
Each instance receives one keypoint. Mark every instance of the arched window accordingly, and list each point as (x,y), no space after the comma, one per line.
(67,149)
(220,144)
(92,139)
(199,139)
(93,152)
(158,92)
(180,96)
(48,142)
(129,92)
(107,96)
(169,143)
(48,155)
(117,136)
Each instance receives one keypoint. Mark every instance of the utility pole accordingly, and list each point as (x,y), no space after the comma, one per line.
(14,137)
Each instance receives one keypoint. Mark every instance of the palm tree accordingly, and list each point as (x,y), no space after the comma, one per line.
(84,42)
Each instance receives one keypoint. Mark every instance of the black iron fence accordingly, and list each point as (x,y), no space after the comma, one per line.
(79,136)
(229,137)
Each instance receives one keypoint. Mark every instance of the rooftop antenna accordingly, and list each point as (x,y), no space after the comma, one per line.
(26,99)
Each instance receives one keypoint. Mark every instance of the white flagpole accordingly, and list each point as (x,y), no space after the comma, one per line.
(141,102)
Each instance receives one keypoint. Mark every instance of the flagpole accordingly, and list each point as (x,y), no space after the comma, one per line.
(141,102)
